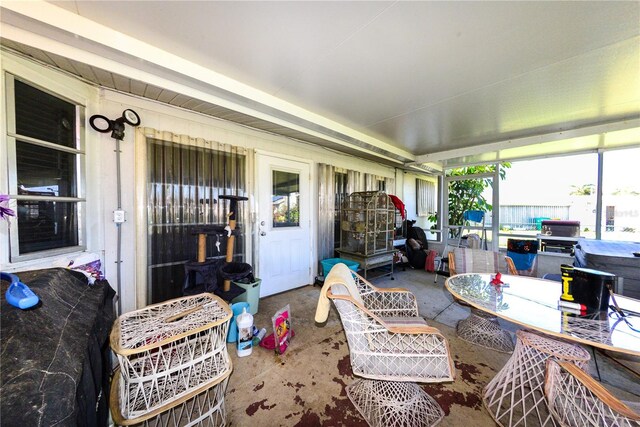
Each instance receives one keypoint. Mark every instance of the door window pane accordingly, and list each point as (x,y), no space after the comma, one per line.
(285,199)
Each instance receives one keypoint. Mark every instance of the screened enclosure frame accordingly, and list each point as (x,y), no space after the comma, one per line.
(600,208)
(444,203)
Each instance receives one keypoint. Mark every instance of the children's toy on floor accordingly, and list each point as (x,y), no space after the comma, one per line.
(18,294)
(279,340)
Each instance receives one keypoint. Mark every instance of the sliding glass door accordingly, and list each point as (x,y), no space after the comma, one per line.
(183,188)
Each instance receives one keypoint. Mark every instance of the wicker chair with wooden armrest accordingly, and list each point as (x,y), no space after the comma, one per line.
(391,346)
(576,399)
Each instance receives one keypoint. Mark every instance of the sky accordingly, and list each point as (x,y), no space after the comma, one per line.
(551,180)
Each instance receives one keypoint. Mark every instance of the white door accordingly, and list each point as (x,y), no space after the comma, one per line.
(284,218)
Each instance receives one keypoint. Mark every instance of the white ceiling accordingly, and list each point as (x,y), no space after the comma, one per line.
(425,79)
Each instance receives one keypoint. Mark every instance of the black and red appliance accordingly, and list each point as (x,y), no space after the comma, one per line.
(561,234)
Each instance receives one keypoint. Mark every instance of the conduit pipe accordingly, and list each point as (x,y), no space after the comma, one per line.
(116,127)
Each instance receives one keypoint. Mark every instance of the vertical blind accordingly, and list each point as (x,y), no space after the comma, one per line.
(425,197)
(340,194)
(376,183)
(334,185)
(326,210)
(186,176)
(390,185)
(353,182)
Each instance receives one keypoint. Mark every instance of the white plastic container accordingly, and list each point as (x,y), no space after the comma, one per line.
(245,333)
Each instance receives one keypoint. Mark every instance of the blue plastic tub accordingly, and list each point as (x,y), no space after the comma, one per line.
(327,264)
(538,221)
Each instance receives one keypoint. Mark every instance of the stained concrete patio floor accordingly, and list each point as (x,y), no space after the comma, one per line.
(305,386)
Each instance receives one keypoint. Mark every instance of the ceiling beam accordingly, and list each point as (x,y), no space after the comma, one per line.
(528,140)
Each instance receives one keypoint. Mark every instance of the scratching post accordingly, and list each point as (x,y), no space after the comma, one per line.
(233,208)
(231,240)
(202,247)
(202,275)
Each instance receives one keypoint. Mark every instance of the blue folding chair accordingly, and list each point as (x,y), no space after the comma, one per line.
(472,220)
(522,257)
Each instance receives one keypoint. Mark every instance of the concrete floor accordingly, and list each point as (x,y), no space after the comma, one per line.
(306,385)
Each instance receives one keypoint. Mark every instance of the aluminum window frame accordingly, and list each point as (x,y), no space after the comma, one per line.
(80,165)
(495,198)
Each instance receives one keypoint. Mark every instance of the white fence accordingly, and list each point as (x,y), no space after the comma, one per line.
(523,217)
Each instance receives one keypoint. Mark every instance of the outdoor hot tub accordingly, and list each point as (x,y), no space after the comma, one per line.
(614,257)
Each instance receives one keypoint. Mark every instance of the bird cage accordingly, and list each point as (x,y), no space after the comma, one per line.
(367,223)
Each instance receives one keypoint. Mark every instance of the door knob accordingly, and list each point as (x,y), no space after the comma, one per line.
(263,233)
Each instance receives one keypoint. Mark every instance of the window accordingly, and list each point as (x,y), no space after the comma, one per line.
(470,189)
(285,198)
(46,156)
(620,196)
(557,188)
(425,197)
(565,188)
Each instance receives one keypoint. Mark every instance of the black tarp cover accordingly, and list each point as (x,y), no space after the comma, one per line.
(55,359)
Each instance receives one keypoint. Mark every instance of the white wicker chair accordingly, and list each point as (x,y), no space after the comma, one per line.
(480,328)
(515,396)
(575,399)
(388,341)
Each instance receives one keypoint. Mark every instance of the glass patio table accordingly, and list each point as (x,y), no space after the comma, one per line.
(533,303)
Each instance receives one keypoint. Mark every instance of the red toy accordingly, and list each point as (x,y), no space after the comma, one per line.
(497,280)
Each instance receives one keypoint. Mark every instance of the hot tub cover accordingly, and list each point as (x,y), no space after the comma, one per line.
(614,257)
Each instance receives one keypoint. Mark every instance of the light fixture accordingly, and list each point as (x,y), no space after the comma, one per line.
(116,127)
